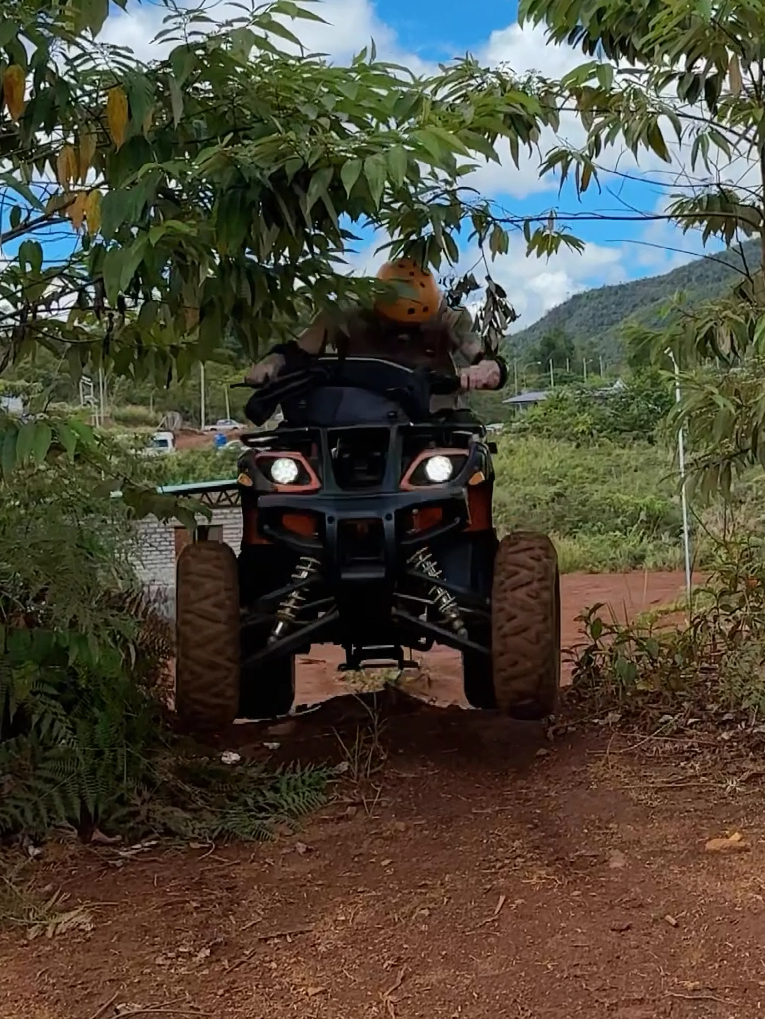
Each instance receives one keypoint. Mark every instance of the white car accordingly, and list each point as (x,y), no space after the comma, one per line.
(160,444)
(224,425)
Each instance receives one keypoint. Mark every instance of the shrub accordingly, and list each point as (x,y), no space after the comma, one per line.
(134,416)
(607,506)
(575,413)
(84,734)
(711,664)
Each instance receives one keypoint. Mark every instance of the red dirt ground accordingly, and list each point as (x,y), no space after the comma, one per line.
(482,872)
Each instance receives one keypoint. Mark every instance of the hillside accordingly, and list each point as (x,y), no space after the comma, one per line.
(599,315)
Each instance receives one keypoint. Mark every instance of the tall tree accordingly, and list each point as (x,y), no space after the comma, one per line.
(147,211)
(217,188)
(696,84)
(556,346)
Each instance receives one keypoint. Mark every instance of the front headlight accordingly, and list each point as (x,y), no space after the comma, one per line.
(438,469)
(284,471)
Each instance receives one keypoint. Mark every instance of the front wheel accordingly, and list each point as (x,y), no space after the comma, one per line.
(525,625)
(521,677)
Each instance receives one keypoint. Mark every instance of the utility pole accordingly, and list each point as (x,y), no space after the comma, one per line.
(102,395)
(552,375)
(228,405)
(602,373)
(584,368)
(515,375)
(683,489)
(202,419)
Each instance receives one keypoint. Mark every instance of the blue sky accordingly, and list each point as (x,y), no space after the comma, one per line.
(419,34)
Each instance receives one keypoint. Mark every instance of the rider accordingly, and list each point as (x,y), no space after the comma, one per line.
(415,329)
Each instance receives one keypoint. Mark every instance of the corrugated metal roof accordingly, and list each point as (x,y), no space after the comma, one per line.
(532,397)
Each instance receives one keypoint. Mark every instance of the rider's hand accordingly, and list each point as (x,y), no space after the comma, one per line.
(265,370)
(484,375)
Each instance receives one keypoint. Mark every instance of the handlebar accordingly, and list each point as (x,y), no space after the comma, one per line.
(408,391)
(440,383)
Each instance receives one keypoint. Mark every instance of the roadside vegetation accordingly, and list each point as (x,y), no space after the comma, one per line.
(192,243)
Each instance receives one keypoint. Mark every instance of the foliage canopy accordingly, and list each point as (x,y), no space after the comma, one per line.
(695,89)
(213,191)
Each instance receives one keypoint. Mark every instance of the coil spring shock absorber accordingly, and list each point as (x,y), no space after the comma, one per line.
(423,562)
(289,608)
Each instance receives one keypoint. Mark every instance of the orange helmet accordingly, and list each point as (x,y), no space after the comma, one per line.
(424,300)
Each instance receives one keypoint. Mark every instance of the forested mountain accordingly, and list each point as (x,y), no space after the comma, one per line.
(596,317)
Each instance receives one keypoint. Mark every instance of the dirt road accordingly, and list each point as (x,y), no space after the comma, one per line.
(623,594)
(481,872)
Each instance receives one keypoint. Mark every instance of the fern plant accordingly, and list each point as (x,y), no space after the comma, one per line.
(84,740)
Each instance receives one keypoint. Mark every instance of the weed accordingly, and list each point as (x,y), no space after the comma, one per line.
(364,754)
(711,665)
(39,911)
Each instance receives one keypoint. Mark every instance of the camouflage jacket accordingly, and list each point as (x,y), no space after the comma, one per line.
(444,343)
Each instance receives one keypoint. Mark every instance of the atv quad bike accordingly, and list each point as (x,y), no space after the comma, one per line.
(367,523)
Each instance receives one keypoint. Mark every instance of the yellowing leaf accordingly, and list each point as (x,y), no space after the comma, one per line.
(117,115)
(88,143)
(66,166)
(734,74)
(93,212)
(76,211)
(56,203)
(14,86)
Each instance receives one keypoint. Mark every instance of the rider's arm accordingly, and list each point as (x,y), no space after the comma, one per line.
(312,340)
(483,372)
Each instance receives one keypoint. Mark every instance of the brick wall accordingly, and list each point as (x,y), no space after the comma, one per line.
(156,550)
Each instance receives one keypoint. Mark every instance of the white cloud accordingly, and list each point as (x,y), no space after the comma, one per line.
(525,49)
(350,26)
(534,286)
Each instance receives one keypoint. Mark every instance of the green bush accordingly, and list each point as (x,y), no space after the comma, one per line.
(575,413)
(84,736)
(608,507)
(191,465)
(134,416)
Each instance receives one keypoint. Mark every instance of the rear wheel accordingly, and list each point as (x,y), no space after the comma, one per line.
(526,626)
(267,691)
(207,636)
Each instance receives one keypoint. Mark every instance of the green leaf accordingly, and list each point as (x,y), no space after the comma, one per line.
(25,441)
(349,174)
(67,438)
(31,254)
(9,29)
(398,164)
(318,187)
(657,143)
(43,436)
(432,144)
(120,266)
(374,171)
(182,60)
(9,452)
